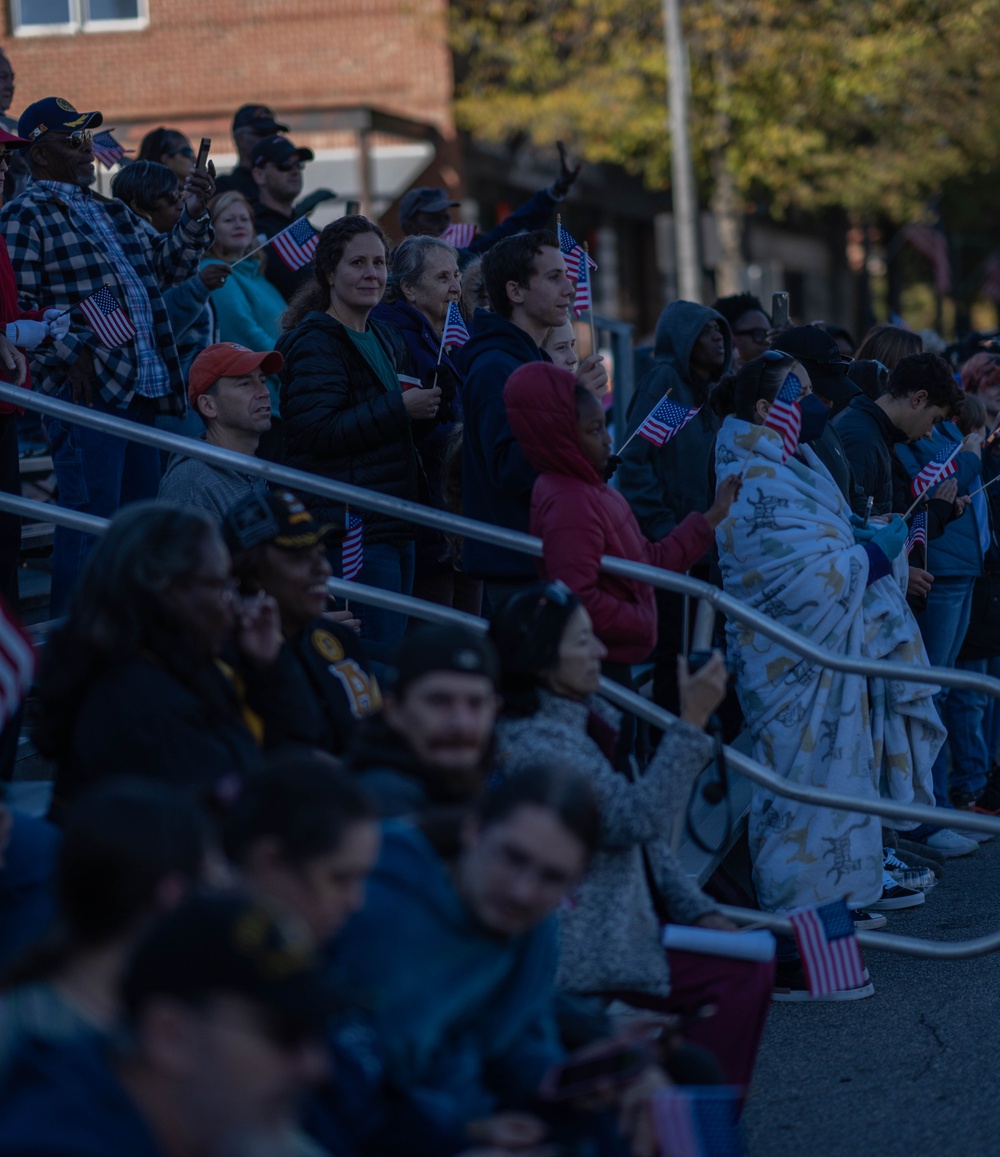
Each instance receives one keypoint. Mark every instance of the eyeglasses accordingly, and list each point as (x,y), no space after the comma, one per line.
(758,333)
(288,166)
(4,155)
(75,140)
(183,151)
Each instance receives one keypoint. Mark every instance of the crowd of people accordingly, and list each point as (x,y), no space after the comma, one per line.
(318,879)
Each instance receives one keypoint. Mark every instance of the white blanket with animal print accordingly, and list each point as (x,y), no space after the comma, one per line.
(788,551)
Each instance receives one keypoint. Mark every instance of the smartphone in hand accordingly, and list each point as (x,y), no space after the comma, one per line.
(779,310)
(202,161)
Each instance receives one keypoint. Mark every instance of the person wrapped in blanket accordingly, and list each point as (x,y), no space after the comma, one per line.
(792,550)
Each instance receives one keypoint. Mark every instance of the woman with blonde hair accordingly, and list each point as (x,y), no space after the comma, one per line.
(247,307)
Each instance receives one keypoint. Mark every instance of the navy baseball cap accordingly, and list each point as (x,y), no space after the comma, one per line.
(276,150)
(54,115)
(259,118)
(819,353)
(424,200)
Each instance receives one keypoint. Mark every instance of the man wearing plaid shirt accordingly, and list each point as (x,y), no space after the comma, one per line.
(65,243)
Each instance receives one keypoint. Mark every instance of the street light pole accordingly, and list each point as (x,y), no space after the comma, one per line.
(685,198)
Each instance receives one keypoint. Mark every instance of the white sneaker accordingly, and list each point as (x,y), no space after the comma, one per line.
(950,844)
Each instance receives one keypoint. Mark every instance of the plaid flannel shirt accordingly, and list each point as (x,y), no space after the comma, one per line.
(58,260)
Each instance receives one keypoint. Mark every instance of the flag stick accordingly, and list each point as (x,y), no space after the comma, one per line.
(925,495)
(258,249)
(69,309)
(593,327)
(983,487)
(639,427)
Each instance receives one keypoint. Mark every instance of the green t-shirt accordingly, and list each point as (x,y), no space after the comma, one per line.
(371,350)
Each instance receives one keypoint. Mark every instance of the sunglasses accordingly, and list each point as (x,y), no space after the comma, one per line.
(288,166)
(75,140)
(758,333)
(183,151)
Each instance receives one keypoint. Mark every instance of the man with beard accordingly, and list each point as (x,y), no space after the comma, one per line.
(430,747)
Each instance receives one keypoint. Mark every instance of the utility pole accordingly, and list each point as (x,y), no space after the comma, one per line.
(685,198)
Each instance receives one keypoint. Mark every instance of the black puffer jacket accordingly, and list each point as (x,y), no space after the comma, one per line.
(341,422)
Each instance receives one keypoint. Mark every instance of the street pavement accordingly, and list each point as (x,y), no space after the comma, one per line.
(913,1071)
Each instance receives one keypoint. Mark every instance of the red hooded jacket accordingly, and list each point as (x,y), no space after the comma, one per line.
(579,517)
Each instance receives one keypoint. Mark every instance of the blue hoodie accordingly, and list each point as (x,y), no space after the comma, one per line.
(496,477)
(64,1100)
(463,1018)
(664,484)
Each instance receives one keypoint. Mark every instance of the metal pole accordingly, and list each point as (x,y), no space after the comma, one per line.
(683,192)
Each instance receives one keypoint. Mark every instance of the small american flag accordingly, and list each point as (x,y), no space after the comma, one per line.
(940,467)
(785,415)
(581,299)
(17,663)
(353,547)
(459,234)
(107,318)
(697,1121)
(918,532)
(571,249)
(828,947)
(296,244)
(455,334)
(107,150)
(664,421)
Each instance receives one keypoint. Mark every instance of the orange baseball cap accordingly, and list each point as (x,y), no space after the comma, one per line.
(226,359)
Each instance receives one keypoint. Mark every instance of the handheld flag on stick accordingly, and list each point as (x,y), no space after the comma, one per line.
(296,244)
(698,1120)
(581,299)
(664,421)
(455,334)
(459,234)
(352,548)
(107,318)
(940,467)
(107,150)
(785,415)
(918,532)
(829,949)
(571,249)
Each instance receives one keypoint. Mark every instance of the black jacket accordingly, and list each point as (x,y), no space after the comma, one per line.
(830,451)
(336,668)
(142,719)
(286,281)
(868,435)
(339,421)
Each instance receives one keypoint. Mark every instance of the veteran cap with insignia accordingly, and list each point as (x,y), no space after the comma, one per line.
(277,517)
(54,115)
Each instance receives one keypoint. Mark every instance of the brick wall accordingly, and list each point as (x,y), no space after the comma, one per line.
(198,60)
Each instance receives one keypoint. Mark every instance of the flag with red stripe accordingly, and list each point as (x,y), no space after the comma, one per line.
(785,415)
(459,234)
(581,298)
(296,244)
(828,947)
(17,663)
(572,250)
(664,421)
(107,318)
(352,548)
(455,334)
(107,150)
(940,467)
(918,532)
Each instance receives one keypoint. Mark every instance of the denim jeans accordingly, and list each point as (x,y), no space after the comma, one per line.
(388,566)
(971,719)
(27,884)
(943,625)
(97,473)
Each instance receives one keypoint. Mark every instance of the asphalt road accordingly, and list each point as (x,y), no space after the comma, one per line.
(913,1071)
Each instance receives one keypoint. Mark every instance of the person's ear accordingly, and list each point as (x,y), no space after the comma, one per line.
(168,1031)
(264,858)
(134,206)
(258,176)
(762,407)
(206,406)
(918,399)
(515,292)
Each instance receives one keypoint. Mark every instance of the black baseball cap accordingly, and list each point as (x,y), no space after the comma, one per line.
(259,118)
(438,648)
(820,355)
(424,200)
(53,114)
(276,150)
(277,517)
(215,945)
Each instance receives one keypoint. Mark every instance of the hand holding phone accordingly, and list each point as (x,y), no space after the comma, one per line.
(779,310)
(206,144)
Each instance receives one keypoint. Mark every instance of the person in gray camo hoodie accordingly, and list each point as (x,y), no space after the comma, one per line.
(609,936)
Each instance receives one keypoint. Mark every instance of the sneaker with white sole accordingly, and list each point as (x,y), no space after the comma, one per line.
(791,985)
(922,879)
(895,896)
(950,844)
(869,921)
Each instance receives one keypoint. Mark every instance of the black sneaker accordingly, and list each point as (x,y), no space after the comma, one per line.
(790,984)
(897,897)
(868,920)
(989,798)
(963,801)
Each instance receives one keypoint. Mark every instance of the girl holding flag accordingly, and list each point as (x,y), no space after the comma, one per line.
(789,550)
(421,301)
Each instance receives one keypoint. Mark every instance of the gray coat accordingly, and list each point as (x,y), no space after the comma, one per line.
(609,937)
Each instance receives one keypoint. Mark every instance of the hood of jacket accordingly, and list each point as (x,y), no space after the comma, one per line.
(677,331)
(493,334)
(541,409)
(65,1098)
(402,315)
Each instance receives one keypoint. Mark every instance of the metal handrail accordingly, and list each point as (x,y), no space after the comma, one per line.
(483,532)
(630,701)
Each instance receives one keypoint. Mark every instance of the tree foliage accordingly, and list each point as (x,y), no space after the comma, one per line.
(869,105)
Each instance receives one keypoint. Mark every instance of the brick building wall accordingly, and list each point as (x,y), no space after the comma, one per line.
(198,60)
